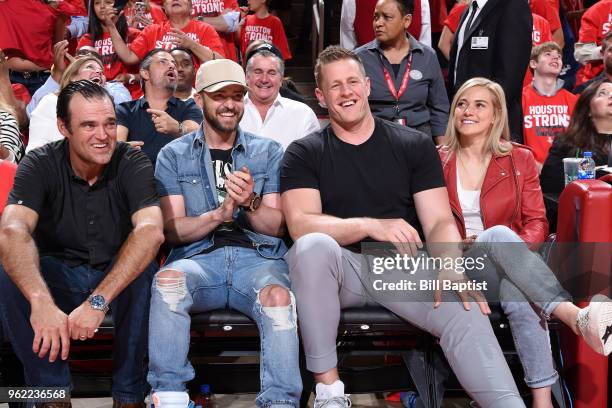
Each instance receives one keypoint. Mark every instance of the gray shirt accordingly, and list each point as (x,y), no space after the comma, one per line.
(424,102)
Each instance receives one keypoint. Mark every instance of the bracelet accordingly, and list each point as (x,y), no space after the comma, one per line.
(181,129)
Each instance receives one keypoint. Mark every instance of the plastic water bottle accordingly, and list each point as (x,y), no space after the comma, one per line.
(408,399)
(205,398)
(586,168)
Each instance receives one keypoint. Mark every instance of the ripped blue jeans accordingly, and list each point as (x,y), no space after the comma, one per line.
(226,277)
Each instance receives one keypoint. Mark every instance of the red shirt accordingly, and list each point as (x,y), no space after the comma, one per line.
(545,117)
(7,175)
(21,93)
(214,8)
(113,66)
(438,14)
(157,36)
(454,17)
(540,34)
(269,29)
(596,22)
(544,9)
(594,25)
(31,40)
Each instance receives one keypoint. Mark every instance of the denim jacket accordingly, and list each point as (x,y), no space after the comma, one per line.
(184,167)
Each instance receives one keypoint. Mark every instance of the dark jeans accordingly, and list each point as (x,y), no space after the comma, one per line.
(31,80)
(70,287)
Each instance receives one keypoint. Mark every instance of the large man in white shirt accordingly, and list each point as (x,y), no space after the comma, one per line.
(266,112)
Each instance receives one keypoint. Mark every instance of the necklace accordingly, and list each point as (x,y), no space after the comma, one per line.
(483,168)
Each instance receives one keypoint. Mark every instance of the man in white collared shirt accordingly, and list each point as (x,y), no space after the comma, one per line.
(266,112)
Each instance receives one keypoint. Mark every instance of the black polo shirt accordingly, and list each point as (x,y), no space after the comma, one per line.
(78,223)
(133,115)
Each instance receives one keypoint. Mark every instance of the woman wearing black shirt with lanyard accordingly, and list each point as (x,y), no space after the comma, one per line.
(406,82)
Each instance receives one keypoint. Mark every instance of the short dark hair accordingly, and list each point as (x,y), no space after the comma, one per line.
(331,54)
(405,6)
(147,60)
(186,51)
(87,89)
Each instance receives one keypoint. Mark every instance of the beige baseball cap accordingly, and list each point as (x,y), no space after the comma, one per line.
(219,73)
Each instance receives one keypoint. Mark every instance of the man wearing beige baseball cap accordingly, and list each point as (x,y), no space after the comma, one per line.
(219,189)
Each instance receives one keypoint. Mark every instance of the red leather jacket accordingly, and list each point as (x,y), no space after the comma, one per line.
(510,194)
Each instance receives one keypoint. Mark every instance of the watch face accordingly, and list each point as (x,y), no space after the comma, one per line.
(256,202)
(98,302)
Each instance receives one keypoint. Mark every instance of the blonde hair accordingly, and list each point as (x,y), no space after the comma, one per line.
(499,135)
(73,69)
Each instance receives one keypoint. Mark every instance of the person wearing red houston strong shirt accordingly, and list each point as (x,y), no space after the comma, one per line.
(99,37)
(547,107)
(595,23)
(551,14)
(212,12)
(541,33)
(179,31)
(263,26)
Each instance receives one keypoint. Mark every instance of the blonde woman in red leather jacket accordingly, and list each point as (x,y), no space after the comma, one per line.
(495,196)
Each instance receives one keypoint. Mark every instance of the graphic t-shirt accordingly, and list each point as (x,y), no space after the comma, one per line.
(595,24)
(377,178)
(268,29)
(545,9)
(545,117)
(160,36)
(214,8)
(113,66)
(541,33)
(228,233)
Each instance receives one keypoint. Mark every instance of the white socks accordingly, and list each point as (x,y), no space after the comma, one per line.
(329,391)
(170,399)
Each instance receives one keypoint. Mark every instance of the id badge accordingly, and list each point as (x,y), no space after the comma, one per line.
(480,43)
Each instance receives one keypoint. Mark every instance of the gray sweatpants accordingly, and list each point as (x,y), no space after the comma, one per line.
(325,278)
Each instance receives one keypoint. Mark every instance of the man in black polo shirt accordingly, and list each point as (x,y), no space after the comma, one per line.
(366,179)
(158,117)
(79,234)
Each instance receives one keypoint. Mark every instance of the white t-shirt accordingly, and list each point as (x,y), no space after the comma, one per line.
(470,207)
(287,120)
(43,123)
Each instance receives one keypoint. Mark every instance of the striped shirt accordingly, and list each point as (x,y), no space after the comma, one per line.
(10,137)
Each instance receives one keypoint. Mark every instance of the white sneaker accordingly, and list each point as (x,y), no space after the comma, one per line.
(333,402)
(595,324)
(331,396)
